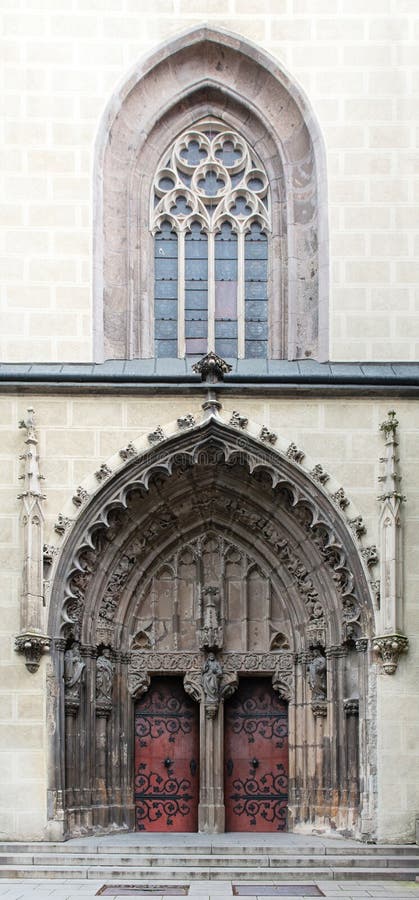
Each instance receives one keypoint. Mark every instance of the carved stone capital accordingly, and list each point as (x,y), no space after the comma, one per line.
(351,707)
(361,645)
(103,710)
(388,648)
(71,707)
(212,368)
(33,646)
(319,708)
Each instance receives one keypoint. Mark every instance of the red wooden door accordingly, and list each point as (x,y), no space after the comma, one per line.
(256,758)
(166,758)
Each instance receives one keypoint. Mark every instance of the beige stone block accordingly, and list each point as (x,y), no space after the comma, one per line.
(9,614)
(36,351)
(368,109)
(366,446)
(339,28)
(73,442)
(41,106)
(6,708)
(7,417)
(52,323)
(388,351)
(97,412)
(347,190)
(30,764)
(30,825)
(26,241)
(72,242)
(56,472)
(24,134)
(6,766)
(17,796)
(367,271)
(322,55)
(389,190)
(74,297)
(290,29)
(12,268)
(408,271)
(368,163)
(348,244)
(348,350)
(83,468)
(29,296)
(321,447)
(52,214)
(287,416)
(369,55)
(71,188)
(111,442)
(52,270)
(6,824)
(390,136)
(7,530)
(147,416)
(355,475)
(349,298)
(392,244)
(18,737)
(349,415)
(12,213)
(367,217)
(75,351)
(30,706)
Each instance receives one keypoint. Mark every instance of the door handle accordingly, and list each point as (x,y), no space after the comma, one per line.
(254,762)
(168,762)
(193,767)
(229,766)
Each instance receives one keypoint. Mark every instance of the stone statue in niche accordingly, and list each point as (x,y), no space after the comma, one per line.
(104,678)
(73,672)
(211,679)
(317,675)
(211,635)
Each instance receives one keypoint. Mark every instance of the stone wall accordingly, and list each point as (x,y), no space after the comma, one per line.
(357,67)
(78,433)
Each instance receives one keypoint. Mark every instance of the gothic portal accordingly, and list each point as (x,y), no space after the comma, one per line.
(211,616)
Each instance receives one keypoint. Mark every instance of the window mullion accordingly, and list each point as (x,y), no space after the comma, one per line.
(240,296)
(211,291)
(181,294)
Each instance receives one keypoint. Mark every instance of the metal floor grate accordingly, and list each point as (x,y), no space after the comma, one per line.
(277,890)
(134,890)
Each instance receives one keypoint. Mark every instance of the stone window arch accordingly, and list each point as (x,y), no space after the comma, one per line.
(212,83)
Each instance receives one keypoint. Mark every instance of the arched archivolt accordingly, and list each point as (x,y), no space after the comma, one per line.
(137,552)
(210,72)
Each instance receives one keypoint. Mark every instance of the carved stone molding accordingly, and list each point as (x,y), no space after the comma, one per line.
(156,436)
(80,497)
(62,524)
(103,472)
(388,648)
(319,474)
(33,646)
(357,526)
(370,555)
(340,498)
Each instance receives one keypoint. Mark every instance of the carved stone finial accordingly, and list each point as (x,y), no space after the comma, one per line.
(187,421)
(389,425)
(80,497)
(30,476)
(156,436)
(294,453)
(62,524)
(319,474)
(33,646)
(340,498)
(103,473)
(357,526)
(238,421)
(212,368)
(128,451)
(370,555)
(389,648)
(268,437)
(211,633)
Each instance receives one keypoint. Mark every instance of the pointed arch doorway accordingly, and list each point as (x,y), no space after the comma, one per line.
(213,561)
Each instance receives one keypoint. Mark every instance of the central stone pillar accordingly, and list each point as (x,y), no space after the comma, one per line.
(211,810)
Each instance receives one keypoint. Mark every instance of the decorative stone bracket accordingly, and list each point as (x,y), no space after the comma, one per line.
(389,648)
(33,646)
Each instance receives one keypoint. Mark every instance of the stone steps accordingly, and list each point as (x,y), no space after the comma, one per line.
(167,859)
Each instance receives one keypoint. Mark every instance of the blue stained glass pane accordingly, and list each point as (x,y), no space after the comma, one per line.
(256,349)
(225,329)
(196,300)
(226,249)
(226,348)
(182,207)
(196,269)
(256,309)
(193,154)
(256,331)
(256,250)
(165,328)
(211,184)
(227,154)
(196,329)
(256,270)
(165,309)
(166,289)
(165,249)
(225,269)
(255,290)
(166,349)
(165,269)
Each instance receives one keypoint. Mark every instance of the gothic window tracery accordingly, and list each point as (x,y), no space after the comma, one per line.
(211,220)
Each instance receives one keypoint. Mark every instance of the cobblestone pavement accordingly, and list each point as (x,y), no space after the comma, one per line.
(203,890)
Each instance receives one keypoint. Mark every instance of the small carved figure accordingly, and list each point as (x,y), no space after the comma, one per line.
(317,676)
(73,671)
(211,679)
(104,677)
(211,631)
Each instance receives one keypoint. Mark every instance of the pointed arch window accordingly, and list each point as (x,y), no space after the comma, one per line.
(211,221)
